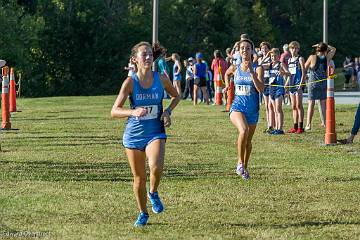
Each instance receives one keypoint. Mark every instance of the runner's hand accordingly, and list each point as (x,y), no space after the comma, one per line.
(139,112)
(166,118)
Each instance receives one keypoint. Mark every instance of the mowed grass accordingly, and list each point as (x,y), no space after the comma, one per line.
(64,174)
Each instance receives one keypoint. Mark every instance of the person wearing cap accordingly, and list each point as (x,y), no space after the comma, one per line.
(189,77)
(317,64)
(200,71)
(244,111)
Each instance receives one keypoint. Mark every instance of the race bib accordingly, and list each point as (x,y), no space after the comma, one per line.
(152,112)
(292,70)
(242,90)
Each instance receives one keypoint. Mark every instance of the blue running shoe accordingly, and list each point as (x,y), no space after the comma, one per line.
(277,132)
(156,203)
(142,219)
(281,132)
(272,132)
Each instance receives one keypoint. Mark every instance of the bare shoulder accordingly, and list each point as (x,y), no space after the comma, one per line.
(127,85)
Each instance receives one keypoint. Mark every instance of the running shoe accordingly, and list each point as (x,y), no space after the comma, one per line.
(299,131)
(142,219)
(272,131)
(277,132)
(268,130)
(307,128)
(245,175)
(157,206)
(292,130)
(240,169)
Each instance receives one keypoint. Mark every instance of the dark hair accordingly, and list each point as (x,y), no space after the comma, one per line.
(218,54)
(158,50)
(322,47)
(248,41)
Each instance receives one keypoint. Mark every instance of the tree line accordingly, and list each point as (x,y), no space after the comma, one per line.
(80,47)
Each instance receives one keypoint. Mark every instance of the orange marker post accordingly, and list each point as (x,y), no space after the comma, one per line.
(330,135)
(12,92)
(219,87)
(230,96)
(5,113)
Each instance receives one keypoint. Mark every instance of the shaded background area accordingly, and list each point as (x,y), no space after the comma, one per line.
(80,47)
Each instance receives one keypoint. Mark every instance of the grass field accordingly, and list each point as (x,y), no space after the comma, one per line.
(64,175)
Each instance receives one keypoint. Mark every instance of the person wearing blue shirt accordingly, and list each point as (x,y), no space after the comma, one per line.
(200,71)
(144,136)
(244,111)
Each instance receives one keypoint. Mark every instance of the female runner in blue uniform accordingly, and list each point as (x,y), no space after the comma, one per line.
(244,112)
(144,135)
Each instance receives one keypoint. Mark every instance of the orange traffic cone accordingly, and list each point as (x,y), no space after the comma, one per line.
(5,113)
(230,96)
(219,87)
(12,92)
(330,135)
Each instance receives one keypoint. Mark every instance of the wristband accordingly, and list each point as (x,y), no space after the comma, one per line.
(168,110)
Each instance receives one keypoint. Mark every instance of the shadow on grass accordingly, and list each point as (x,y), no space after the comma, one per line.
(294,225)
(192,171)
(57,118)
(343,179)
(66,171)
(63,141)
(107,171)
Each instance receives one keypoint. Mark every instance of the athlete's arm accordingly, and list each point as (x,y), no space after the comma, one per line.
(179,68)
(303,72)
(258,78)
(308,63)
(331,52)
(229,72)
(284,70)
(118,111)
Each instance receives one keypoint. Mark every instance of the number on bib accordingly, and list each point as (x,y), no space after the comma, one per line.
(242,90)
(152,112)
